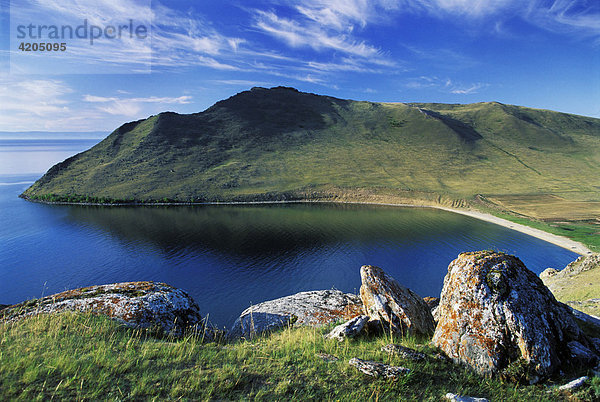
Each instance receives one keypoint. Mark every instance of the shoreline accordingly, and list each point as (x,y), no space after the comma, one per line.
(557,240)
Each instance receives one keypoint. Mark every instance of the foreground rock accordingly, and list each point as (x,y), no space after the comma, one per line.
(314,308)
(498,317)
(136,304)
(573,385)
(403,351)
(349,329)
(376,369)
(399,309)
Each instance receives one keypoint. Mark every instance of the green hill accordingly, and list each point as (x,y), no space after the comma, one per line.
(280,143)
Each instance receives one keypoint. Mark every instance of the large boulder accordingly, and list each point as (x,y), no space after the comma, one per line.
(136,304)
(399,309)
(314,308)
(497,317)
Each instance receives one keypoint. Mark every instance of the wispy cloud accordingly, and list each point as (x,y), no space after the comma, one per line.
(566,16)
(296,34)
(473,88)
(41,98)
(445,85)
(131,107)
(41,105)
(53,105)
(578,17)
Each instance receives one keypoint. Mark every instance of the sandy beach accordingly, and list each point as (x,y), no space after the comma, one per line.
(560,241)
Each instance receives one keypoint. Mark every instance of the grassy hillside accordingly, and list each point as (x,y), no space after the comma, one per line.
(280,143)
(83,357)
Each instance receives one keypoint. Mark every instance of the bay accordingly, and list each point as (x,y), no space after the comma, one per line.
(229,257)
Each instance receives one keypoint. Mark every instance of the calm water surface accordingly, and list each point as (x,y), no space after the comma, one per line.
(228,257)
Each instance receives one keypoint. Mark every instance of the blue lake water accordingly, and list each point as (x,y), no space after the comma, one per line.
(228,257)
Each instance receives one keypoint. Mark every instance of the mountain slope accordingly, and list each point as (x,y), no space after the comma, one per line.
(274,143)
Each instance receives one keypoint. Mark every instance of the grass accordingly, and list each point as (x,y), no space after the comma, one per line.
(77,357)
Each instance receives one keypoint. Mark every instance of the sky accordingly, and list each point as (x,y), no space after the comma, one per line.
(187,55)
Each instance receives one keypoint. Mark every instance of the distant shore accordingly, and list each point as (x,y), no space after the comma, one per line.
(557,240)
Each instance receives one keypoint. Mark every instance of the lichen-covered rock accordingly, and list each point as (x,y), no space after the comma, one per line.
(399,309)
(498,317)
(403,351)
(313,308)
(377,369)
(349,329)
(137,304)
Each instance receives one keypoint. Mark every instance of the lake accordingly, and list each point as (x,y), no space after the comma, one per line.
(229,257)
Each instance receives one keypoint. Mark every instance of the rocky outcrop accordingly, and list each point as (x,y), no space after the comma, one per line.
(399,309)
(578,284)
(497,317)
(377,369)
(136,304)
(314,308)
(349,329)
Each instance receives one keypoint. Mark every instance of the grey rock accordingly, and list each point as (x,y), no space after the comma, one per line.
(136,304)
(376,369)
(573,385)
(497,317)
(313,308)
(587,318)
(404,352)
(581,264)
(457,398)
(349,329)
(581,355)
(399,309)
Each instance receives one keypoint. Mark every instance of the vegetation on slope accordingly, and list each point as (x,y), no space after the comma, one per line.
(281,144)
(77,357)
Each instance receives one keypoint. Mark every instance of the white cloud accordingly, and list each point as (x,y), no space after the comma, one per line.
(297,35)
(582,17)
(309,31)
(566,16)
(473,88)
(151,99)
(37,102)
(445,85)
(52,105)
(131,107)
(43,105)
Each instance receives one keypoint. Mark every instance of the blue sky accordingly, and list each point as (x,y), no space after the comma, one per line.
(539,53)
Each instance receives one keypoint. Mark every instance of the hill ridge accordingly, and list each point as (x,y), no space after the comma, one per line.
(281,143)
